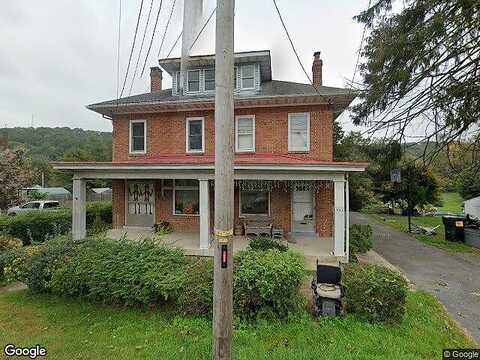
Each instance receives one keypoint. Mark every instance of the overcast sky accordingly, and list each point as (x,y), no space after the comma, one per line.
(59,55)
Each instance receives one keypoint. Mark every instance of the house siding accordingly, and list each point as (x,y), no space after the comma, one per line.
(166,133)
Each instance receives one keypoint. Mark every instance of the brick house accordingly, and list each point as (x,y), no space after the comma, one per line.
(163,154)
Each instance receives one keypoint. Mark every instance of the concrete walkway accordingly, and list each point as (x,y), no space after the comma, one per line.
(453,278)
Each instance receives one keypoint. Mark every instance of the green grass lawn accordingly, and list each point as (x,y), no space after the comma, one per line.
(401,223)
(74,329)
(452,202)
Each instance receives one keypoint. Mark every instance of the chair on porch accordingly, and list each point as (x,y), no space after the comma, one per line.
(257,225)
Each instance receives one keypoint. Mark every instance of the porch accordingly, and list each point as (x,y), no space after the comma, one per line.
(311,246)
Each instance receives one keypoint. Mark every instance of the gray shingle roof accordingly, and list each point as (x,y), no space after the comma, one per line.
(269,88)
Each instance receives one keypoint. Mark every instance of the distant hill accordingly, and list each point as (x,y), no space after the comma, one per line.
(61,143)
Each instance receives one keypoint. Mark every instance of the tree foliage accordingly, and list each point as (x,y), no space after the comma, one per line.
(15,174)
(421,71)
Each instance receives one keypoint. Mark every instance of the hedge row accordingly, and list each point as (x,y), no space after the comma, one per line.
(39,226)
(144,273)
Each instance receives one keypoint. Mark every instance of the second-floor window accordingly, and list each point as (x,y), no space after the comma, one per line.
(210,79)
(194,132)
(193,77)
(138,136)
(245,133)
(299,132)
(248,77)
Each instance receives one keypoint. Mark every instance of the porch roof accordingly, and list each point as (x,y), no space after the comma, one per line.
(257,166)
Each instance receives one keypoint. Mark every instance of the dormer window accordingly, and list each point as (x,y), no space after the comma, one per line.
(210,79)
(248,77)
(193,80)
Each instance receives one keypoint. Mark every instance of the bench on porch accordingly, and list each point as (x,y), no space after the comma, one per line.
(257,225)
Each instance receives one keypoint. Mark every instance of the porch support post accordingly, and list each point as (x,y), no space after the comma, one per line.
(339,219)
(347,220)
(204,214)
(79,212)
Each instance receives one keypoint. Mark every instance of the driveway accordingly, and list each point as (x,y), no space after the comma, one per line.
(453,278)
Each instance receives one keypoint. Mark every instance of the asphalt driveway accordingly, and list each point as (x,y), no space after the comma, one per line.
(453,278)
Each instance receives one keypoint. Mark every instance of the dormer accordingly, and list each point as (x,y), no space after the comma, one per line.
(251,70)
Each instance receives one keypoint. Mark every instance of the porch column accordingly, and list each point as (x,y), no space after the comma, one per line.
(339,219)
(79,212)
(347,220)
(204,214)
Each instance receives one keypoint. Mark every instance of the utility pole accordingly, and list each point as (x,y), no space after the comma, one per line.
(223,245)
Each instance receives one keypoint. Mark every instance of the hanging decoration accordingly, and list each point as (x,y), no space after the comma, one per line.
(281,185)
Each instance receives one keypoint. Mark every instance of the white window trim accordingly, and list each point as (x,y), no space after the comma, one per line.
(184,188)
(130,133)
(241,214)
(290,147)
(241,77)
(187,135)
(236,133)
(199,81)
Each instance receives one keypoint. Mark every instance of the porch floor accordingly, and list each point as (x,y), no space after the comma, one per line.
(312,246)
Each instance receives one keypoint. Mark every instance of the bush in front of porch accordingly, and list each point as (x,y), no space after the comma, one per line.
(39,226)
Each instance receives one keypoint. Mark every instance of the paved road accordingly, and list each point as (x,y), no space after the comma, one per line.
(454,278)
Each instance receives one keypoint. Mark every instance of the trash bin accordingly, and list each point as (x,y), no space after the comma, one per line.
(454,228)
(472,237)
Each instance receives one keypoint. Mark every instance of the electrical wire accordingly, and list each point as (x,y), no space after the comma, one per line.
(153,36)
(141,48)
(293,46)
(166,28)
(359,50)
(196,38)
(133,47)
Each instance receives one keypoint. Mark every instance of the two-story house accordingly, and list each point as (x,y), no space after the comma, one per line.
(163,153)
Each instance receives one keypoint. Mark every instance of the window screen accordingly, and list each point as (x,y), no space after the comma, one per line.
(195,133)
(245,134)
(194,80)
(210,79)
(138,136)
(298,137)
(248,77)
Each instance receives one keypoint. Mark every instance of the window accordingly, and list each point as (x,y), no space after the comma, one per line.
(138,136)
(210,79)
(194,135)
(193,80)
(245,133)
(51,205)
(299,132)
(248,77)
(32,205)
(186,197)
(178,81)
(254,203)
(235,77)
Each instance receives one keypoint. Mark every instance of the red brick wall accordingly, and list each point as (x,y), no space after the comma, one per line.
(166,132)
(118,203)
(324,209)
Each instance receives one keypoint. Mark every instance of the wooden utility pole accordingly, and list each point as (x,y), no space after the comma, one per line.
(223,246)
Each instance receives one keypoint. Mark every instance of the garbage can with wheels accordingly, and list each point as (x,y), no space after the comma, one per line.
(454,228)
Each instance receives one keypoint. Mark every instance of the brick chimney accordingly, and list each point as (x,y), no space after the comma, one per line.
(155,79)
(317,69)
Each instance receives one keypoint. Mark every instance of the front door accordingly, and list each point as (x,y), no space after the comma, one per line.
(302,205)
(140,204)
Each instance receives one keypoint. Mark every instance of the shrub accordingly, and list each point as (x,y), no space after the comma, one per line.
(15,263)
(360,239)
(122,272)
(266,243)
(40,226)
(266,283)
(163,227)
(196,298)
(374,293)
(8,242)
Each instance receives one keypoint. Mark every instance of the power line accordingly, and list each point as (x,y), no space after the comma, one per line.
(141,47)
(360,49)
(118,46)
(133,46)
(196,38)
(166,28)
(153,36)
(293,46)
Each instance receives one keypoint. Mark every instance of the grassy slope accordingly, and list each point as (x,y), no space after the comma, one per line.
(452,202)
(76,329)
(438,240)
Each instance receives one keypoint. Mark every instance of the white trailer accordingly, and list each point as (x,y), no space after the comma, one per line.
(472,207)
